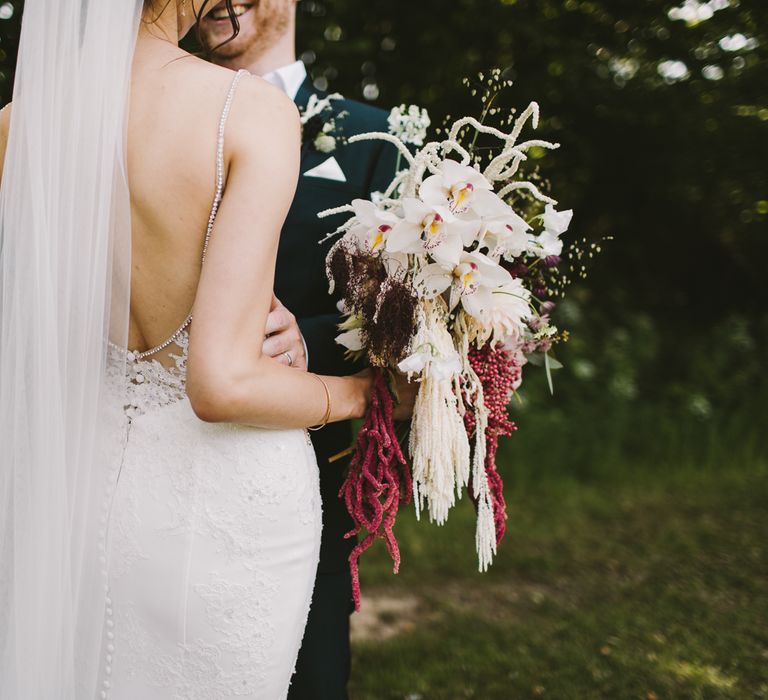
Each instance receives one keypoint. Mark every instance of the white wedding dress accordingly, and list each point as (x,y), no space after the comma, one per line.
(211,542)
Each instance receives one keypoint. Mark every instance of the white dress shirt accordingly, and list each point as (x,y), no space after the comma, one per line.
(288,78)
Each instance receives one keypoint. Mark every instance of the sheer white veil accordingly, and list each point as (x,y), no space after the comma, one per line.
(64,292)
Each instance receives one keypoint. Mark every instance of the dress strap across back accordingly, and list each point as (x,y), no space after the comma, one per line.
(220,182)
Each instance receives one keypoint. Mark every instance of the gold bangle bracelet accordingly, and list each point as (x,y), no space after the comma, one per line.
(327,415)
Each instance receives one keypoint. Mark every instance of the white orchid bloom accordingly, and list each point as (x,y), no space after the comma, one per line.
(511,306)
(545,245)
(373,225)
(548,242)
(431,229)
(505,236)
(486,204)
(471,282)
(556,222)
(440,367)
(457,187)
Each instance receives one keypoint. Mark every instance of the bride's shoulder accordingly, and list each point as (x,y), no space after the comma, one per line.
(207,79)
(256,103)
(261,107)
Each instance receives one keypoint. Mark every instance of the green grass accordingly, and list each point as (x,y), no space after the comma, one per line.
(650,583)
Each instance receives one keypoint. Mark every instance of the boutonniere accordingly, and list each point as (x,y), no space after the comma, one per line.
(319,126)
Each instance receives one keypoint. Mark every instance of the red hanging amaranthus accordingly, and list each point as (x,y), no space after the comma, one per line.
(498,373)
(377,482)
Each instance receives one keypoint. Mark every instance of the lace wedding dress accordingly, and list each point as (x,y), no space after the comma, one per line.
(211,541)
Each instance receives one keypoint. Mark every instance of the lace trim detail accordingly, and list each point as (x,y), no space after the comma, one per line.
(148,385)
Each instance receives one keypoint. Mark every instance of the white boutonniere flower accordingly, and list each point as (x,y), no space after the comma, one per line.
(319,130)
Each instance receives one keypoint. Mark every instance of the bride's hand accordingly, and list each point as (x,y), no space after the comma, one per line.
(284,341)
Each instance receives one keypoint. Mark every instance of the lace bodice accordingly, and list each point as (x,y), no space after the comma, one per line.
(152,385)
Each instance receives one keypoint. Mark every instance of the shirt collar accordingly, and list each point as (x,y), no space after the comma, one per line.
(288,78)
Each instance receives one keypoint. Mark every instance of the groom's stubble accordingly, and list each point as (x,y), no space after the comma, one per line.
(265,28)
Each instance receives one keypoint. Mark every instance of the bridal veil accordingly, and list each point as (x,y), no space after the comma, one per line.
(64,294)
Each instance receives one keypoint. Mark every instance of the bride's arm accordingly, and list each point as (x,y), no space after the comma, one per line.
(228,377)
(5,125)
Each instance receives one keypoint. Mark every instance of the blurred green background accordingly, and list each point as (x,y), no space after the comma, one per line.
(635,563)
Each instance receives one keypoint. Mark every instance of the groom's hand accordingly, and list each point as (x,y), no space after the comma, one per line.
(406,394)
(284,341)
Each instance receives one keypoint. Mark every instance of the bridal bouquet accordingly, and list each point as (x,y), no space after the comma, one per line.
(448,277)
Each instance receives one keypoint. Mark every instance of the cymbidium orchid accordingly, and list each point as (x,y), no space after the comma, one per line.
(545,245)
(505,236)
(470,282)
(431,229)
(556,223)
(457,187)
(373,225)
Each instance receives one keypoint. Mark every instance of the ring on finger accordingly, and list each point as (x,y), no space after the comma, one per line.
(289,358)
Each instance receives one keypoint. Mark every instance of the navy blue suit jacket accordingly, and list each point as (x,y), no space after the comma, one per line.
(301,285)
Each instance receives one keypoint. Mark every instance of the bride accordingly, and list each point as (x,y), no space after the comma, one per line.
(159,504)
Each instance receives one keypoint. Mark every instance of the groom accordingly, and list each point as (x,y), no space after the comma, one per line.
(332,174)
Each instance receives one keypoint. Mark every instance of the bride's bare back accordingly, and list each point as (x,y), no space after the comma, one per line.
(176,106)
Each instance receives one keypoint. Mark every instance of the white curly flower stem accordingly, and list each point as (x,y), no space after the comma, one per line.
(429,158)
(525,185)
(450,145)
(503,174)
(336,210)
(341,229)
(399,179)
(495,167)
(477,126)
(382,136)
(531,112)
(537,143)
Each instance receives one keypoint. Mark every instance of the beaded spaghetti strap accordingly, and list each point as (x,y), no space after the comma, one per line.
(214,209)
(220,161)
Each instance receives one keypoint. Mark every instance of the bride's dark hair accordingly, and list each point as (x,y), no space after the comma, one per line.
(152,4)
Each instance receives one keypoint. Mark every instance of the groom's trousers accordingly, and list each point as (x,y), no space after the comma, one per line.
(322,669)
(321,675)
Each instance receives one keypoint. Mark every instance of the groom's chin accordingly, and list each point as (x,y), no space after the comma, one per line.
(217,31)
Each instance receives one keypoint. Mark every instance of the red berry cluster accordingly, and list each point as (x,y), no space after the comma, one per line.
(498,374)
